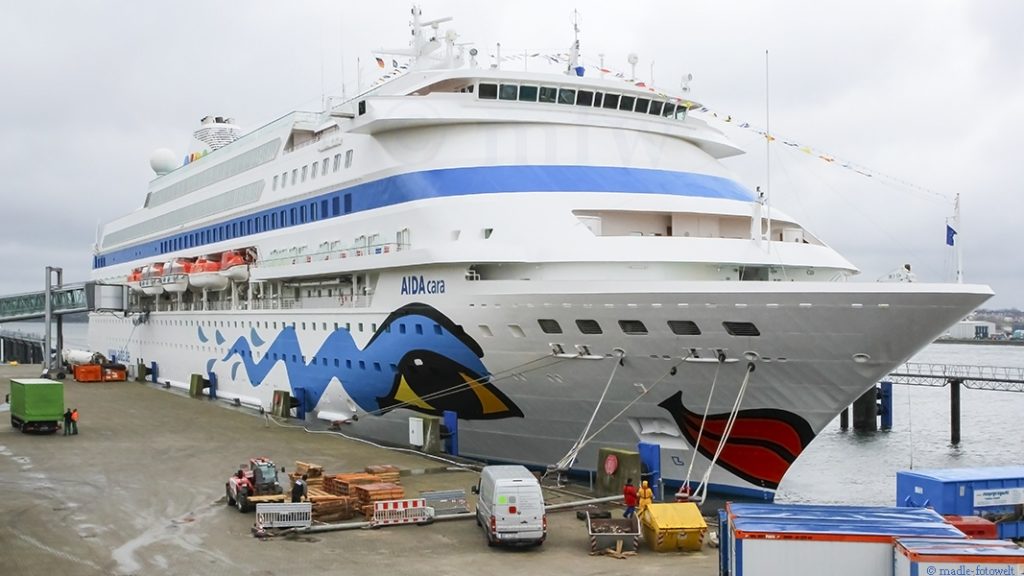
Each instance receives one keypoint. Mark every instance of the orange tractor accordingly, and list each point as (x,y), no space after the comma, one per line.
(253,484)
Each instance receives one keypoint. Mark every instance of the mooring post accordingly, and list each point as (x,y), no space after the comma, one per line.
(844,419)
(954,411)
(886,407)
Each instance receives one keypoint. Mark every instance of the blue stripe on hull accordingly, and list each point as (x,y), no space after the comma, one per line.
(441,183)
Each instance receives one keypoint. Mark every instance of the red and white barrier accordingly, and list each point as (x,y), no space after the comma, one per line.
(409,511)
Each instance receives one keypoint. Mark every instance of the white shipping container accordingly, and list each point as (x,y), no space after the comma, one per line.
(786,539)
(928,557)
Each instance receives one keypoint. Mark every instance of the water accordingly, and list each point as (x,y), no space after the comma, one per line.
(860,468)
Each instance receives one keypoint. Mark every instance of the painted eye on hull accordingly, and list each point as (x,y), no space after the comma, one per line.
(429,383)
(764,442)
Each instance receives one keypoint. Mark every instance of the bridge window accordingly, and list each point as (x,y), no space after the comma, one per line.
(641,105)
(323,167)
(584,98)
(655,108)
(611,101)
(488,91)
(528,93)
(348,158)
(626,103)
(295,175)
(316,166)
(548,94)
(566,96)
(508,92)
(337,162)
(305,169)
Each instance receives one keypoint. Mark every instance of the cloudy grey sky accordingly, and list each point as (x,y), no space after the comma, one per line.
(929,93)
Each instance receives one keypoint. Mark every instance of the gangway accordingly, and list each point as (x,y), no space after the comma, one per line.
(934,375)
(68,299)
(999,378)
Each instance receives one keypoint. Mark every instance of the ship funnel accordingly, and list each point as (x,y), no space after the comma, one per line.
(217,131)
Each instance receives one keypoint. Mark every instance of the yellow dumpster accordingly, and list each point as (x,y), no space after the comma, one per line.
(673,527)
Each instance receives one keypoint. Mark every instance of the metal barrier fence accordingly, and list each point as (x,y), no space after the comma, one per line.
(446,502)
(287,515)
(410,511)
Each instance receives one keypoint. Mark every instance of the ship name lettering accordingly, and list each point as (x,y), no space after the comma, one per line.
(418,285)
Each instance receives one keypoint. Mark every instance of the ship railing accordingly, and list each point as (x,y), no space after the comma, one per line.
(292,257)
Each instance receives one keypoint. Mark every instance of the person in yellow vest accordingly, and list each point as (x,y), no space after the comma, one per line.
(646,497)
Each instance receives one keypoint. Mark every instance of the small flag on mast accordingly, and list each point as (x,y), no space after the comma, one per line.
(950,235)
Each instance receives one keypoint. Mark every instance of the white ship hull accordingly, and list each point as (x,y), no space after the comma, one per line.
(804,365)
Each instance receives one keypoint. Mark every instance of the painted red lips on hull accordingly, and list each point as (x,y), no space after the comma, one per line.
(764,442)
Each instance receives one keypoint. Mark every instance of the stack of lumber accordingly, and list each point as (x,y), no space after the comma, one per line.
(386,472)
(367,494)
(341,484)
(331,508)
(314,474)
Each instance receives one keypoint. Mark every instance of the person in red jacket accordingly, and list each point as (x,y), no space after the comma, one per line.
(629,495)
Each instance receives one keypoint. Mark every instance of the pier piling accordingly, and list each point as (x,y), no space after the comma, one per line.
(954,411)
(844,419)
(865,411)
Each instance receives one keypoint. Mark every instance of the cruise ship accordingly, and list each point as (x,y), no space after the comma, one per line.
(551,262)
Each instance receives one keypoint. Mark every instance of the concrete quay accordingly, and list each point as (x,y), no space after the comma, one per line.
(141,491)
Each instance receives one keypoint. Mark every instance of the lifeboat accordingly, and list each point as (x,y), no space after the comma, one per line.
(151,276)
(234,266)
(175,278)
(133,280)
(206,275)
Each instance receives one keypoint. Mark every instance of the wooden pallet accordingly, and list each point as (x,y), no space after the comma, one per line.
(310,470)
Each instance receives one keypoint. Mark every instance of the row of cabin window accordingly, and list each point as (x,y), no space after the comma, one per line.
(526,93)
(321,166)
(295,358)
(308,212)
(403,328)
(636,327)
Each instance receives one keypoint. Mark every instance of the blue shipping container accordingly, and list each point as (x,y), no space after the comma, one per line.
(996,494)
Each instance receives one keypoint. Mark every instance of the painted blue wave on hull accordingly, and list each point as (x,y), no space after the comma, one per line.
(366,374)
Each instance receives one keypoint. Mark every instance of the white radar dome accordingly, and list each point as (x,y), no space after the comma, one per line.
(163,160)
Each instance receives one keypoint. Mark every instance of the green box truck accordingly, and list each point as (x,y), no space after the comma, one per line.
(37,404)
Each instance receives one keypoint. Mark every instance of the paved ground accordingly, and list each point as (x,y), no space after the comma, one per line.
(141,491)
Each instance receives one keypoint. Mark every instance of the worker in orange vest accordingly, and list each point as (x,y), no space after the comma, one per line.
(74,421)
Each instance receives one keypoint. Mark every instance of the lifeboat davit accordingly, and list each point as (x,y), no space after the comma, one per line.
(133,280)
(175,278)
(234,266)
(151,277)
(206,275)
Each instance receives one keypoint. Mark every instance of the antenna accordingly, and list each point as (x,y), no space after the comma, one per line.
(768,153)
(632,59)
(956,241)
(574,51)
(684,83)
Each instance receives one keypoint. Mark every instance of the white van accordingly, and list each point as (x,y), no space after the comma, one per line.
(510,506)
